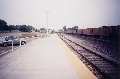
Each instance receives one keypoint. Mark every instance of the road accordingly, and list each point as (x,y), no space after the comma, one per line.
(44,58)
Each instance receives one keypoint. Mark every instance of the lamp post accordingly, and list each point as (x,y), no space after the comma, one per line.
(47,12)
(12,45)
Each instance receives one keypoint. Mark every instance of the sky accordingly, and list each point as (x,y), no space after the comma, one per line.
(59,13)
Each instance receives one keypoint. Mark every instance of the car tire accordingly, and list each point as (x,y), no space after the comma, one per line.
(4,44)
(23,43)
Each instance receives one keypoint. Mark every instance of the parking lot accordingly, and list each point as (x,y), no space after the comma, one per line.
(27,36)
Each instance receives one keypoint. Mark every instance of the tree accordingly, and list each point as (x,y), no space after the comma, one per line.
(25,28)
(64,28)
(75,28)
(12,27)
(3,25)
(43,30)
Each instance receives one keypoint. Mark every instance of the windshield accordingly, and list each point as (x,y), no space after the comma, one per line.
(10,38)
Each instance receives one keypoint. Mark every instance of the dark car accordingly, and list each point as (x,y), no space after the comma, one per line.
(12,40)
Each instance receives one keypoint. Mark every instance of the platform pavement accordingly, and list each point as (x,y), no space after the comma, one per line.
(46,58)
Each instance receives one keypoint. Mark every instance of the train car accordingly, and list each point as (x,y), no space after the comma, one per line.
(102,31)
(80,31)
(105,31)
(112,31)
(90,31)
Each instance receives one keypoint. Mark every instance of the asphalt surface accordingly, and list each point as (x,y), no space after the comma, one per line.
(44,58)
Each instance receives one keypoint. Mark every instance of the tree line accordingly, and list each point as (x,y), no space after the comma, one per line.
(9,28)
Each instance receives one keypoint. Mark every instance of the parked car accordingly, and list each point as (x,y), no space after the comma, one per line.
(9,40)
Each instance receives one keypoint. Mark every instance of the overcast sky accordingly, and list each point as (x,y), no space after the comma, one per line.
(84,13)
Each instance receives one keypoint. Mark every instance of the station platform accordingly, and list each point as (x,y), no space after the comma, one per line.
(44,58)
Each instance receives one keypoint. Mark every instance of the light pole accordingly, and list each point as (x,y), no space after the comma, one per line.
(12,45)
(47,12)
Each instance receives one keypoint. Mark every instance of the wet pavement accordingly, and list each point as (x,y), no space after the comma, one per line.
(46,58)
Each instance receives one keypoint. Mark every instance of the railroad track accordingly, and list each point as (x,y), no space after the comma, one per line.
(100,66)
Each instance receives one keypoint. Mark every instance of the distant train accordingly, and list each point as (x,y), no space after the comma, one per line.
(104,31)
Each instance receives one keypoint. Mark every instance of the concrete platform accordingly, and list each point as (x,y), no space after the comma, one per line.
(46,58)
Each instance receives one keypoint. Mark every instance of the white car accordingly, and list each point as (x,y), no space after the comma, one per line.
(9,40)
